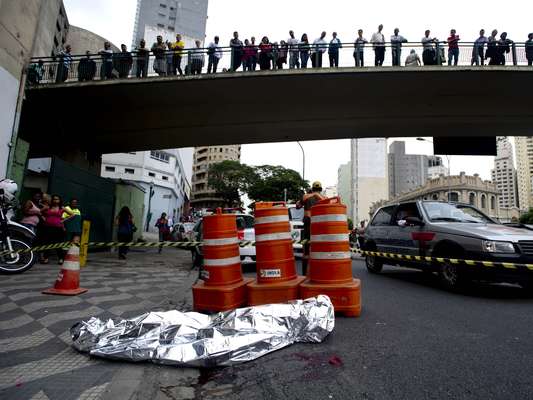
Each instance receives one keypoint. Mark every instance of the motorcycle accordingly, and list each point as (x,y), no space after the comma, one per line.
(14,237)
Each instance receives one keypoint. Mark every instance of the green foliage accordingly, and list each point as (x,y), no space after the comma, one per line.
(350,224)
(230,179)
(527,218)
(271,181)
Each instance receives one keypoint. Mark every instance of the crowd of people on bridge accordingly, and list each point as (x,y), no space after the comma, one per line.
(168,57)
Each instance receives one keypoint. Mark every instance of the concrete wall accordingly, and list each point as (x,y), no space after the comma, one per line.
(52,29)
(8,106)
(82,40)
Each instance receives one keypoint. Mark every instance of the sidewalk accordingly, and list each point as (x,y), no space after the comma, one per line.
(36,357)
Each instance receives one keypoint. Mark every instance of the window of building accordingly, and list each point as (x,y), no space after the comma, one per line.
(453,196)
(162,5)
(170,28)
(160,156)
(435,196)
(161,15)
(221,150)
(110,169)
(151,174)
(129,170)
(492,203)
(161,25)
(164,177)
(472,199)
(483,201)
(58,26)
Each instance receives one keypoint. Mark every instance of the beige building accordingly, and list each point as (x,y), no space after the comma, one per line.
(524,171)
(504,174)
(344,181)
(202,196)
(459,188)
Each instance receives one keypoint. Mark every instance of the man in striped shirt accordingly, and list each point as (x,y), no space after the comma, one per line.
(63,67)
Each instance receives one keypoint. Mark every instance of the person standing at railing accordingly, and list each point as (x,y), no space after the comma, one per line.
(478,51)
(106,70)
(86,68)
(281,58)
(333,51)
(429,56)
(178,47)
(529,49)
(265,54)
(304,48)
(65,62)
(169,56)
(214,54)
(36,72)
(254,59)
(396,41)
(143,55)
(247,55)
(197,58)
(412,59)
(236,51)
(294,59)
(492,43)
(124,62)
(378,43)
(453,48)
(319,48)
(159,50)
(503,48)
(359,49)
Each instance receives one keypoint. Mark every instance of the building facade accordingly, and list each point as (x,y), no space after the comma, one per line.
(504,173)
(161,173)
(27,28)
(524,169)
(330,191)
(369,179)
(436,167)
(168,18)
(204,196)
(406,171)
(344,182)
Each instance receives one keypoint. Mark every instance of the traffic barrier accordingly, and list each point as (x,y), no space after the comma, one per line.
(223,287)
(276,281)
(330,259)
(68,280)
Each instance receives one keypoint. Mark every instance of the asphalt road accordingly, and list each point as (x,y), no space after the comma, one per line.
(413,340)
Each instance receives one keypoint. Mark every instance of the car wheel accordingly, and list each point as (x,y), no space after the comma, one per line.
(450,276)
(373,264)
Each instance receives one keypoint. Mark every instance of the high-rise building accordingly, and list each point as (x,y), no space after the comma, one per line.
(344,182)
(204,196)
(330,191)
(504,173)
(436,167)
(369,181)
(406,171)
(524,169)
(168,18)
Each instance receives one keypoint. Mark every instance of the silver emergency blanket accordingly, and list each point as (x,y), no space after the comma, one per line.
(199,340)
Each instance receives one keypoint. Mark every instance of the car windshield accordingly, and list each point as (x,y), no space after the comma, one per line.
(449,212)
(296,214)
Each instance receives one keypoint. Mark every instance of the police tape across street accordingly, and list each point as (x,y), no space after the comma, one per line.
(191,245)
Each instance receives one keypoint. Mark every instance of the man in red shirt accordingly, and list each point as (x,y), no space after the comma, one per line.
(453,48)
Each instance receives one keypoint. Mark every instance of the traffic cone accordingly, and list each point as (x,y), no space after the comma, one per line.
(330,261)
(68,280)
(223,286)
(276,281)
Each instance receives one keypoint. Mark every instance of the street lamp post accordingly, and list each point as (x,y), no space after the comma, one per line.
(303,160)
(448,194)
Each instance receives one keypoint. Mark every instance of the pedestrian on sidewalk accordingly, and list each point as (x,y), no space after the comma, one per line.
(31,212)
(53,228)
(333,51)
(164,229)
(126,228)
(453,48)
(378,42)
(72,220)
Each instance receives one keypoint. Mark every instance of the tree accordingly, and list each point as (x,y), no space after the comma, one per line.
(527,218)
(270,182)
(230,179)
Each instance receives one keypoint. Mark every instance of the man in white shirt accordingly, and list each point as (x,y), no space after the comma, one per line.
(319,48)
(333,51)
(214,53)
(359,49)
(294,55)
(396,41)
(378,42)
(428,54)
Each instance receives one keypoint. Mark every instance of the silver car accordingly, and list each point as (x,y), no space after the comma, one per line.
(450,230)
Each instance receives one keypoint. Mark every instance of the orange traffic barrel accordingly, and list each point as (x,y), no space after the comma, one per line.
(330,265)
(273,243)
(330,256)
(223,287)
(222,260)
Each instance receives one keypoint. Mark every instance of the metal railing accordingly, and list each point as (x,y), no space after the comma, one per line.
(74,68)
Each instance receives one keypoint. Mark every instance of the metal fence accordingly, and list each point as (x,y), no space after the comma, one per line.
(73,68)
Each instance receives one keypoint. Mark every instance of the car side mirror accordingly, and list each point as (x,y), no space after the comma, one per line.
(414,221)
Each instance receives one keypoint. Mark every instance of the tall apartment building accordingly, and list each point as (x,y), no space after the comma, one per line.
(369,180)
(168,18)
(344,186)
(406,171)
(524,169)
(163,173)
(504,173)
(204,196)
(436,167)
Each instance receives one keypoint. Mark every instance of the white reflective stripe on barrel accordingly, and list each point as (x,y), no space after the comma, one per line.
(332,255)
(221,262)
(274,218)
(344,237)
(273,236)
(71,265)
(221,242)
(329,218)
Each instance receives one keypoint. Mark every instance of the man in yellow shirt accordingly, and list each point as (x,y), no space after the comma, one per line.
(178,47)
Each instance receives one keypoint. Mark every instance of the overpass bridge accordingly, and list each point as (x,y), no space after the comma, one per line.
(275,106)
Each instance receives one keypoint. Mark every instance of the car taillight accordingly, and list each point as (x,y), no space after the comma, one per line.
(423,236)
(240,235)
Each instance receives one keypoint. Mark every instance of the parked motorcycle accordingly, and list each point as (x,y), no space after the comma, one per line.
(14,237)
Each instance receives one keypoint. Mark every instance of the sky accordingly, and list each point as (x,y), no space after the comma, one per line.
(114,19)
